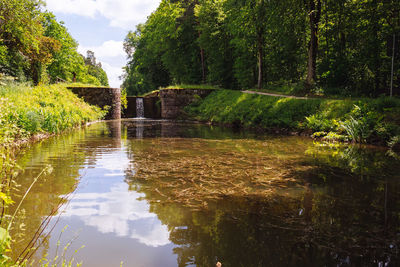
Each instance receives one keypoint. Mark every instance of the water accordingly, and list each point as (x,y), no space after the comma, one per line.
(153,193)
(139,108)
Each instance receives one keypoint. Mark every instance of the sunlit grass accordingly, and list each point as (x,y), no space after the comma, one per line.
(193,86)
(26,110)
(290,114)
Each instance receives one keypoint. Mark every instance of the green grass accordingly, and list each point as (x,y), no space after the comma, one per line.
(27,110)
(86,85)
(283,89)
(149,93)
(192,86)
(297,89)
(361,120)
(234,107)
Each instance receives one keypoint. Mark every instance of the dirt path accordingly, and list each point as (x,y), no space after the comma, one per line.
(278,95)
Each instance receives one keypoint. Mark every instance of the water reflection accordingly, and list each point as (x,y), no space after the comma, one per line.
(159,193)
(120,212)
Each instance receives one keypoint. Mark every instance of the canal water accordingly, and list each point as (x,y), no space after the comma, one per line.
(160,193)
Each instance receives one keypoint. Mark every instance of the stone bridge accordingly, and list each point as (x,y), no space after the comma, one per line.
(165,104)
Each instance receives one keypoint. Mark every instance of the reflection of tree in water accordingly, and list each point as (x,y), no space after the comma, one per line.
(260,203)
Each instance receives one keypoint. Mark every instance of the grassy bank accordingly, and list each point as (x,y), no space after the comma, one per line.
(361,120)
(48,109)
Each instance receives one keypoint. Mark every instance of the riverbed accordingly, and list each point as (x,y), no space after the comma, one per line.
(164,193)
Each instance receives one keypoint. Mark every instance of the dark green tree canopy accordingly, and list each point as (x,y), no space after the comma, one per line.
(342,46)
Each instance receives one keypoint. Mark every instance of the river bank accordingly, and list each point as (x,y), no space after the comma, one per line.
(28,115)
(363,120)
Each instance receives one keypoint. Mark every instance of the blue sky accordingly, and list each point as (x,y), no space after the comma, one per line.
(101,26)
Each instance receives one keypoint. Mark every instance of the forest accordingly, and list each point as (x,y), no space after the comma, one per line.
(330,47)
(35,47)
(303,172)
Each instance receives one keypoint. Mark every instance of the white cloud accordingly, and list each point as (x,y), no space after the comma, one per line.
(125,14)
(87,8)
(112,57)
(113,73)
(108,49)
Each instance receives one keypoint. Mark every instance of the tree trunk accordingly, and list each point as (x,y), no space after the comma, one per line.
(260,62)
(35,72)
(314,9)
(203,67)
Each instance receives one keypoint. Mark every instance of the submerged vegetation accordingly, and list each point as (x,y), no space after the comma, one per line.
(360,120)
(229,197)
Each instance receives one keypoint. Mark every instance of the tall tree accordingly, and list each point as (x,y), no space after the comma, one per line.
(20,35)
(215,41)
(314,16)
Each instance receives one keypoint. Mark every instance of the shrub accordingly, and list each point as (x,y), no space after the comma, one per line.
(360,123)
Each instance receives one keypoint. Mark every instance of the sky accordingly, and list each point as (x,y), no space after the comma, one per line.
(101,26)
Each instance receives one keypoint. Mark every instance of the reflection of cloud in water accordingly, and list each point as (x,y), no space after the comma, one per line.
(157,236)
(113,208)
(115,163)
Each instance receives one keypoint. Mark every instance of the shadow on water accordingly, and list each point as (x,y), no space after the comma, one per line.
(239,198)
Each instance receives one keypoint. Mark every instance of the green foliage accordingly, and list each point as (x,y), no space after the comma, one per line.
(34,46)
(319,122)
(364,120)
(394,141)
(20,32)
(94,69)
(237,108)
(5,243)
(356,129)
(124,100)
(28,110)
(233,43)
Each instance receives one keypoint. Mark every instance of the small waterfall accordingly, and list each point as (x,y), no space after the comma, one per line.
(139,108)
(139,129)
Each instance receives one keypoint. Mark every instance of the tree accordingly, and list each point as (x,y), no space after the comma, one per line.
(95,68)
(343,46)
(20,35)
(215,42)
(314,15)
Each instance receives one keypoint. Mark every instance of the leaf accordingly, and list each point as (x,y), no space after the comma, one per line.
(7,200)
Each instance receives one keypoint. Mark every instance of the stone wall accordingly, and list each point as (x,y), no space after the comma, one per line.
(174,100)
(130,111)
(101,96)
(152,108)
